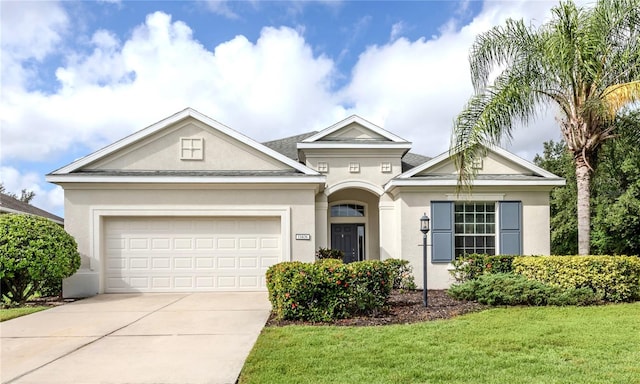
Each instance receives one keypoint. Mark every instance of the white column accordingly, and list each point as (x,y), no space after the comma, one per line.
(388,228)
(322,207)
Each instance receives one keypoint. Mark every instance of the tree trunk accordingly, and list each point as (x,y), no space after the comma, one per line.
(583,177)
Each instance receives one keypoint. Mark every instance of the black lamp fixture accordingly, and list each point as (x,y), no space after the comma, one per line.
(424,228)
(424,224)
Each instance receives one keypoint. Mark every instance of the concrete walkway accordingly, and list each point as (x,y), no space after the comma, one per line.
(135,338)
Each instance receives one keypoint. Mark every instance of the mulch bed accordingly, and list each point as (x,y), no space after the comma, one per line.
(404,308)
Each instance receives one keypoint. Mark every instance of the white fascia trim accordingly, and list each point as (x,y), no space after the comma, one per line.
(339,145)
(81,178)
(475,183)
(188,112)
(499,151)
(354,119)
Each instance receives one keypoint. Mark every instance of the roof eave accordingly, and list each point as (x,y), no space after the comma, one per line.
(83,178)
(475,183)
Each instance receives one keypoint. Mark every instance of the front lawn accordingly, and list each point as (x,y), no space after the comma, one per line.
(11,313)
(505,345)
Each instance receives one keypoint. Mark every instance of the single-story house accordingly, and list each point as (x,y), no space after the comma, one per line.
(189,204)
(9,204)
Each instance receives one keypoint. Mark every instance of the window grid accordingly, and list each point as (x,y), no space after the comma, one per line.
(475,227)
(354,167)
(191,149)
(323,166)
(347,210)
(385,167)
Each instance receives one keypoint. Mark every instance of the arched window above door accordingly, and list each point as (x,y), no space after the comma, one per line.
(347,210)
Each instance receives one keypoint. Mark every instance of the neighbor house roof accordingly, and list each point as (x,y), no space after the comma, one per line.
(10,204)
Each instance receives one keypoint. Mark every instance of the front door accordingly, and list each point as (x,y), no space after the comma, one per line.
(349,238)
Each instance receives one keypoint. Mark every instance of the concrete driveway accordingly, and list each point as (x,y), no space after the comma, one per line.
(135,338)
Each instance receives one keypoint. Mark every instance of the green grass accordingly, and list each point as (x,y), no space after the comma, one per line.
(12,313)
(505,345)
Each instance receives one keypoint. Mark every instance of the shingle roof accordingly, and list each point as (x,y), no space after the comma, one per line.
(10,204)
(288,147)
(411,160)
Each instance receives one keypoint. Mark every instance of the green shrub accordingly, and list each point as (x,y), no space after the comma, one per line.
(34,253)
(471,266)
(512,289)
(402,274)
(614,278)
(328,253)
(327,289)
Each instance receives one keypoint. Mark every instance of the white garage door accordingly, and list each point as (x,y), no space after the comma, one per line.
(168,254)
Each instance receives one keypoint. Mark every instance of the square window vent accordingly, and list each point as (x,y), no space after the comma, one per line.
(323,167)
(191,148)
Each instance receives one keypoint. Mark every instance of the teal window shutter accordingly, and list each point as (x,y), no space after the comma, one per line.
(441,231)
(510,228)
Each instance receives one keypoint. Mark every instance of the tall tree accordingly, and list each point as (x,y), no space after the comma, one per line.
(585,61)
(615,193)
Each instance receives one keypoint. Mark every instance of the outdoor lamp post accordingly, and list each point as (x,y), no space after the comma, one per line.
(424,228)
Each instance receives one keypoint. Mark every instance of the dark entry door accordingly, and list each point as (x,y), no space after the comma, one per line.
(349,238)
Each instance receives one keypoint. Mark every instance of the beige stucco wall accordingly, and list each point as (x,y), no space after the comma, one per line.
(161,151)
(412,202)
(84,202)
(369,160)
(492,164)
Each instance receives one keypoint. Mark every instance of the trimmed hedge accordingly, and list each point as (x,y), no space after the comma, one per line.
(328,289)
(35,255)
(512,289)
(472,266)
(614,278)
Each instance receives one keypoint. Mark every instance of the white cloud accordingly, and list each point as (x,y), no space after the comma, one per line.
(221,7)
(260,88)
(51,200)
(397,29)
(269,88)
(417,88)
(30,31)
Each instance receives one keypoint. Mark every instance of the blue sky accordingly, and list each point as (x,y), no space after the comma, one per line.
(78,75)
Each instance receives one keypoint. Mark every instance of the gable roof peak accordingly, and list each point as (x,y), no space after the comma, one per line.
(323,134)
(169,121)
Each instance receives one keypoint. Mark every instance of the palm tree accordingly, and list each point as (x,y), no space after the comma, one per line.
(585,61)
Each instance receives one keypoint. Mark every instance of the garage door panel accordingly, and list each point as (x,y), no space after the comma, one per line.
(161,254)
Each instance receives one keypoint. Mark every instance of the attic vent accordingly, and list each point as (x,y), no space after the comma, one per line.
(191,148)
(476,163)
(323,167)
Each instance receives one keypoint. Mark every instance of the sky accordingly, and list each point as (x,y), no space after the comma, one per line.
(79,75)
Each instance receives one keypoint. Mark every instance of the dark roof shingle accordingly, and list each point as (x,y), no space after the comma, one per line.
(10,204)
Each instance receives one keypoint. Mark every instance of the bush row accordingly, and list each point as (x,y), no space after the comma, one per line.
(512,289)
(328,289)
(614,278)
(564,279)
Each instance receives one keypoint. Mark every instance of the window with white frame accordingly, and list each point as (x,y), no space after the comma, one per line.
(191,148)
(354,167)
(347,210)
(475,227)
(385,167)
